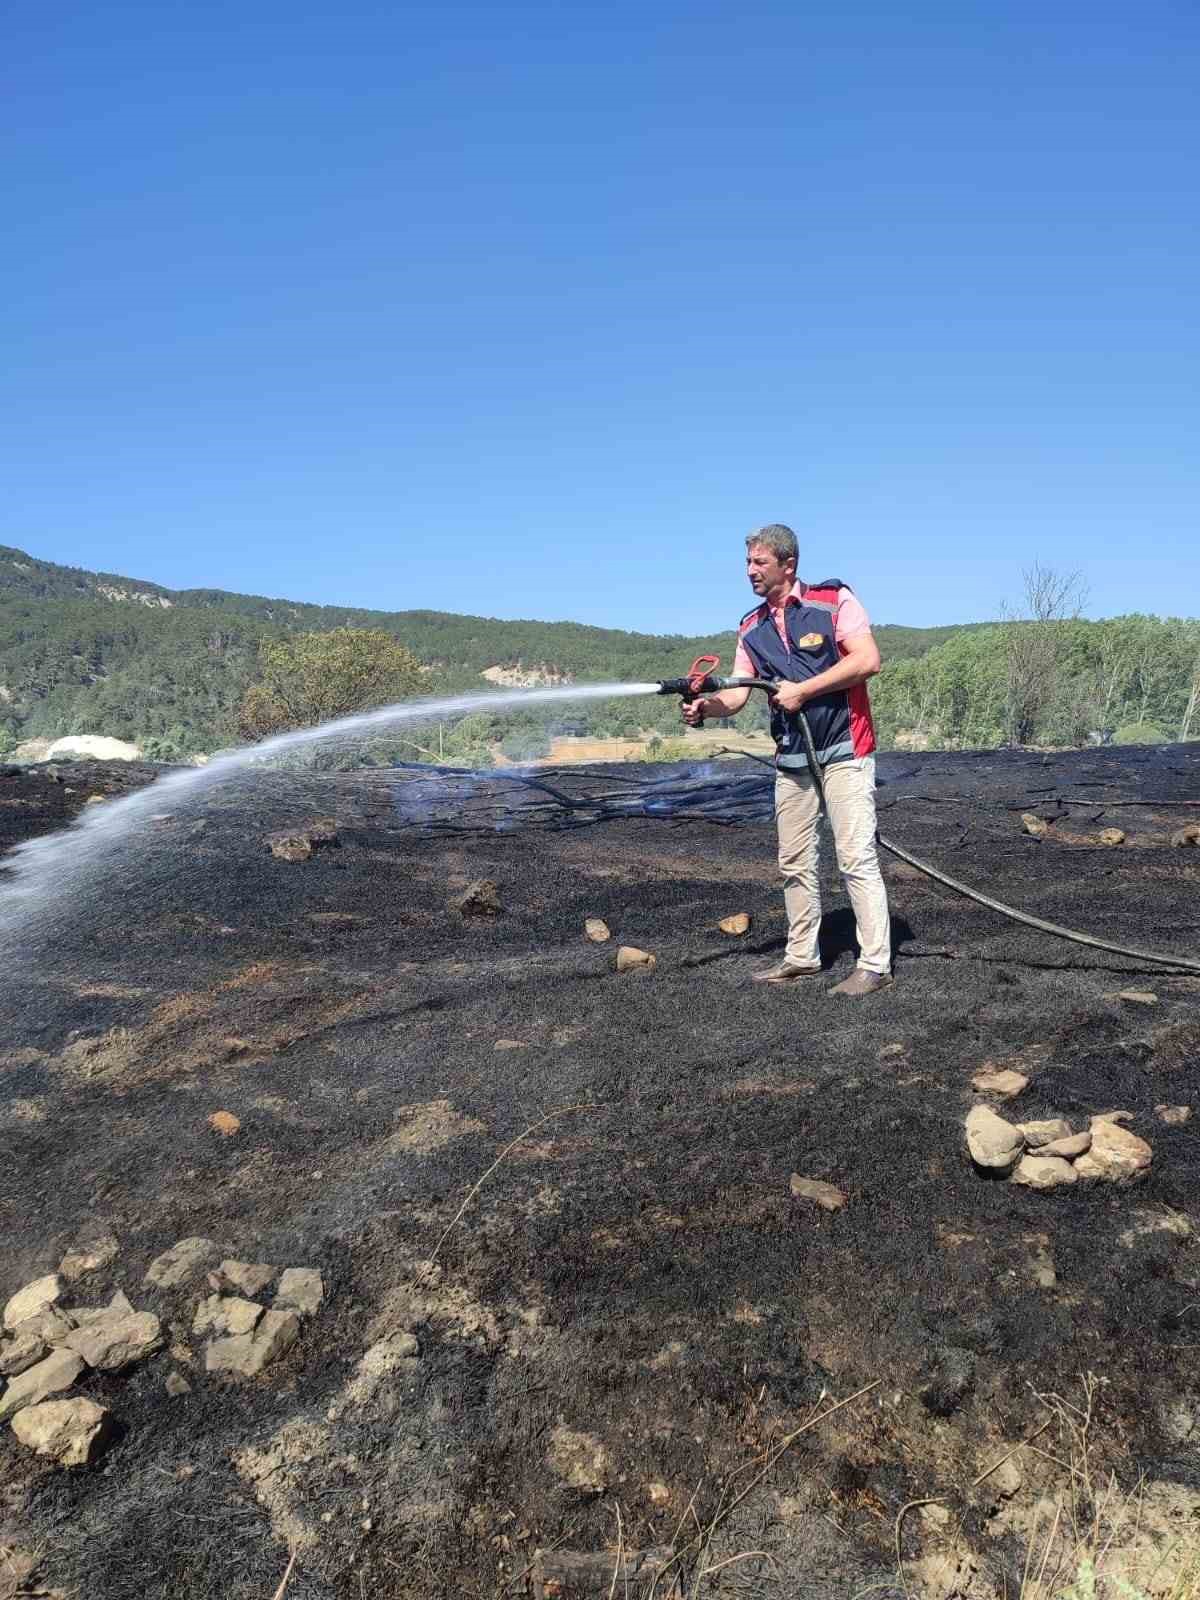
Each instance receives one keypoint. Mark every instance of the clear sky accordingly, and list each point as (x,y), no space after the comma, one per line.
(534,310)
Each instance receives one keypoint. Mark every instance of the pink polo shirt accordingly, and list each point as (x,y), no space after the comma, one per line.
(851,619)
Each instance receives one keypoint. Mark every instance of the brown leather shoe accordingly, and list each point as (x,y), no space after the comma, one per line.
(862,982)
(786,972)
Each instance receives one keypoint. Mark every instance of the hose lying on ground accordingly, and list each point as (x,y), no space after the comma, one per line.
(1054,928)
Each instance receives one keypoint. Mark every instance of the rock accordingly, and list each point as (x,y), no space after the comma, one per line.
(580,1460)
(246,1354)
(1041,1268)
(250,1277)
(509,1044)
(224,1123)
(738,924)
(1003,1082)
(596,930)
(478,899)
(1005,1480)
(114,1339)
(1040,1133)
(298,844)
(993,1143)
(382,1361)
(181,1263)
(20,1353)
(1138,997)
(1043,1172)
(88,1257)
(227,1313)
(1173,1116)
(630,959)
(1111,836)
(1073,1145)
(52,1325)
(52,1375)
(892,1052)
(1034,825)
(120,1302)
(300,1290)
(935,1516)
(177,1385)
(1153,1224)
(71,1432)
(824,1194)
(1116,1156)
(1186,836)
(1111,1116)
(658,1494)
(34,1297)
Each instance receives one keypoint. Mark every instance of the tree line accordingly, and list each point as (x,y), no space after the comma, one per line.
(180,672)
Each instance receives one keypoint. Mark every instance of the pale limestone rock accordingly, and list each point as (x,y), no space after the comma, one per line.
(630,959)
(226,1313)
(51,1324)
(824,1194)
(382,1361)
(1075,1144)
(993,1143)
(247,1277)
(21,1352)
(1043,1172)
(34,1297)
(580,1460)
(1111,836)
(177,1385)
(246,1354)
(1173,1116)
(597,930)
(1116,1156)
(1183,837)
(736,925)
(1043,1133)
(1034,825)
(1003,1082)
(1138,997)
(71,1432)
(182,1262)
(55,1373)
(300,1290)
(114,1339)
(89,1257)
(478,899)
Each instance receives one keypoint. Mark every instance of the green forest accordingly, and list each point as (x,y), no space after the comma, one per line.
(170,670)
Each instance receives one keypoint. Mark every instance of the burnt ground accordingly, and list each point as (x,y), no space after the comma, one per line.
(636,1268)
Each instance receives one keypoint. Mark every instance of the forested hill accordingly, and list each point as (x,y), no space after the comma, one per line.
(99,652)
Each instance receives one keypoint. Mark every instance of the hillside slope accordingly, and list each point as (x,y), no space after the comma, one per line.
(86,652)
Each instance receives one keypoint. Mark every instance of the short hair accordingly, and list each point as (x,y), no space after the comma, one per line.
(778,539)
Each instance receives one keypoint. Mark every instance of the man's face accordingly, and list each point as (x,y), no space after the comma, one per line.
(766,572)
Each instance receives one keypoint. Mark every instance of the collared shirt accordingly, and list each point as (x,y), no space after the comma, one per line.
(852,619)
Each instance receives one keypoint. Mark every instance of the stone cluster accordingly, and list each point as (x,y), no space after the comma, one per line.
(1048,1154)
(48,1347)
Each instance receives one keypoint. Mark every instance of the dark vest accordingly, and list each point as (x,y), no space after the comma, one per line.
(811,648)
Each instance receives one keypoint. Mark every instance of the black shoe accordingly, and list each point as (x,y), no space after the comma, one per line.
(786,972)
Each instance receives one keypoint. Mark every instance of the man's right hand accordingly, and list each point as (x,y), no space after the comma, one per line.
(693,712)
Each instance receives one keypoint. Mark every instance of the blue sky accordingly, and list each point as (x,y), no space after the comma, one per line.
(535,310)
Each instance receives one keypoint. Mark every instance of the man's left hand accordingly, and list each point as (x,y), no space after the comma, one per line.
(791,696)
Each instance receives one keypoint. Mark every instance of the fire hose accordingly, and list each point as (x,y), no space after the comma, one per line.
(701,679)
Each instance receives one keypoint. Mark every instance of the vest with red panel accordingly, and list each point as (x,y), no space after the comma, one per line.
(840,722)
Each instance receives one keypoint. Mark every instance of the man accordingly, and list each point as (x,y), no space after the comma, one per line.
(815,641)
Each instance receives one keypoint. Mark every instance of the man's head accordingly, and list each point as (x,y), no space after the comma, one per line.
(771,557)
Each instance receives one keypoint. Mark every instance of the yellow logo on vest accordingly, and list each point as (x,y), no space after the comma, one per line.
(810,641)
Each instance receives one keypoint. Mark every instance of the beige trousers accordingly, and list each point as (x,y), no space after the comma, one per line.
(850,797)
